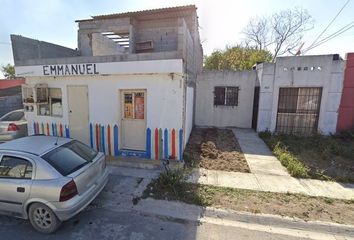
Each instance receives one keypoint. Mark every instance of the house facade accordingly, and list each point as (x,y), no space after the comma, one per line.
(294,95)
(127,90)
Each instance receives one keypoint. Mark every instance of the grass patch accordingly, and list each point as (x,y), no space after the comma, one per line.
(317,156)
(171,186)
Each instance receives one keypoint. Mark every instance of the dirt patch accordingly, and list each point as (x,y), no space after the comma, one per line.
(284,204)
(215,149)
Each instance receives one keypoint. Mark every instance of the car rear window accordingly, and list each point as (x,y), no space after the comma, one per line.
(70,157)
(15,116)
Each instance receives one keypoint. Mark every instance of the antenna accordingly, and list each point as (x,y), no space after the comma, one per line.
(56,142)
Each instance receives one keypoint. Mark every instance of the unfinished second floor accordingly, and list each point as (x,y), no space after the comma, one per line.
(167,33)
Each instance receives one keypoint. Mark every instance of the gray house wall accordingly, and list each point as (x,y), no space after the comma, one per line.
(225,116)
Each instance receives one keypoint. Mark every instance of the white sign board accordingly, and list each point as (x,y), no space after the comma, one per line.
(133,67)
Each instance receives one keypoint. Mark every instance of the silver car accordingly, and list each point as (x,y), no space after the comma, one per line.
(13,125)
(49,179)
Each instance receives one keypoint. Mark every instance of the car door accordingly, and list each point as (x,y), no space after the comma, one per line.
(15,182)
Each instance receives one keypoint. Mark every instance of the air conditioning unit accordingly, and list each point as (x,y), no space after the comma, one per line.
(144,46)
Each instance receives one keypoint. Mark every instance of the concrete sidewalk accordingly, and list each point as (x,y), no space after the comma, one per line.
(267,173)
(266,223)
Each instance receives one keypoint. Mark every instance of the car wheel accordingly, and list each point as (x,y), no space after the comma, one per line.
(43,219)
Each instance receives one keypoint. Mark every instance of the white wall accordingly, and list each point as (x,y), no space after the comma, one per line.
(164,98)
(225,116)
(286,74)
(189,113)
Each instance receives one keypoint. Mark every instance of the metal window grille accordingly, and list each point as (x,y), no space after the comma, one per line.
(298,110)
(226,96)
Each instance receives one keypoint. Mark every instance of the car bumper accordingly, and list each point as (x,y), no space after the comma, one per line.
(68,209)
(4,137)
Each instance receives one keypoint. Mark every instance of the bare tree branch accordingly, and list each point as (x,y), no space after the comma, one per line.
(283,31)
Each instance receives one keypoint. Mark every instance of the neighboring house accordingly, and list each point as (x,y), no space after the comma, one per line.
(10,95)
(297,94)
(346,109)
(127,90)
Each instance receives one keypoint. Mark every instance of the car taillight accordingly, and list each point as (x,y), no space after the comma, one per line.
(12,127)
(68,191)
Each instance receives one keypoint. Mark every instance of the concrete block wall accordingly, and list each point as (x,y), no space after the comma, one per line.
(225,116)
(26,48)
(102,45)
(163,33)
(87,28)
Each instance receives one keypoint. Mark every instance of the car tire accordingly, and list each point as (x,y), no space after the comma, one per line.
(43,219)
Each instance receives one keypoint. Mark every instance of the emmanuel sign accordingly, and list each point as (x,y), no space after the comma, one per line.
(70,69)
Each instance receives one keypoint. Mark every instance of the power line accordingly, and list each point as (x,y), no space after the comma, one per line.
(333,35)
(7,43)
(329,24)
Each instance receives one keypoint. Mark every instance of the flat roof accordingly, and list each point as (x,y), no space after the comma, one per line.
(139,13)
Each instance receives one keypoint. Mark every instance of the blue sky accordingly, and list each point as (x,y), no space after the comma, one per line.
(221,21)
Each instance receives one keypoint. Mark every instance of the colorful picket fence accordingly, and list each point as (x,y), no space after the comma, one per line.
(51,129)
(160,143)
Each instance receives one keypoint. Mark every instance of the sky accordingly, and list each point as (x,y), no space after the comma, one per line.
(221,21)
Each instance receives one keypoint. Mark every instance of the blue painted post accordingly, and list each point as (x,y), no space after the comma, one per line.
(165,143)
(53,130)
(180,144)
(148,143)
(116,143)
(67,132)
(102,136)
(91,136)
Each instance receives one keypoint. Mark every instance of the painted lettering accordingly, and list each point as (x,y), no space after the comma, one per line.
(60,70)
(70,69)
(53,70)
(95,70)
(89,68)
(45,70)
(74,69)
(67,70)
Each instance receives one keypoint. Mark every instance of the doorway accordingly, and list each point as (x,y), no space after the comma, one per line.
(78,113)
(133,119)
(298,110)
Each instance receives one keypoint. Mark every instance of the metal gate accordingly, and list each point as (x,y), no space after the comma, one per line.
(298,110)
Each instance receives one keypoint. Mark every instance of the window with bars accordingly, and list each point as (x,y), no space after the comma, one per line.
(226,96)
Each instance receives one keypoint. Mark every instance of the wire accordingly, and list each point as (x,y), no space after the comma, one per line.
(333,35)
(5,43)
(329,24)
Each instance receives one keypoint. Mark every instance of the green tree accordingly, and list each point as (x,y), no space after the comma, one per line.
(236,58)
(8,71)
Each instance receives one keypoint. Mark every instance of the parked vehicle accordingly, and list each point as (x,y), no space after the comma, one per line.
(13,125)
(49,179)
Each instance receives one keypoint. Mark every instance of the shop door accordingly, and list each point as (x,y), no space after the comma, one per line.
(78,113)
(134,119)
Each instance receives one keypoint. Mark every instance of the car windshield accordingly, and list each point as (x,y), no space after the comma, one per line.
(70,157)
(14,116)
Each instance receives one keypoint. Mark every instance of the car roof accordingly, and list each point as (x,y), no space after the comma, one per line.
(36,144)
